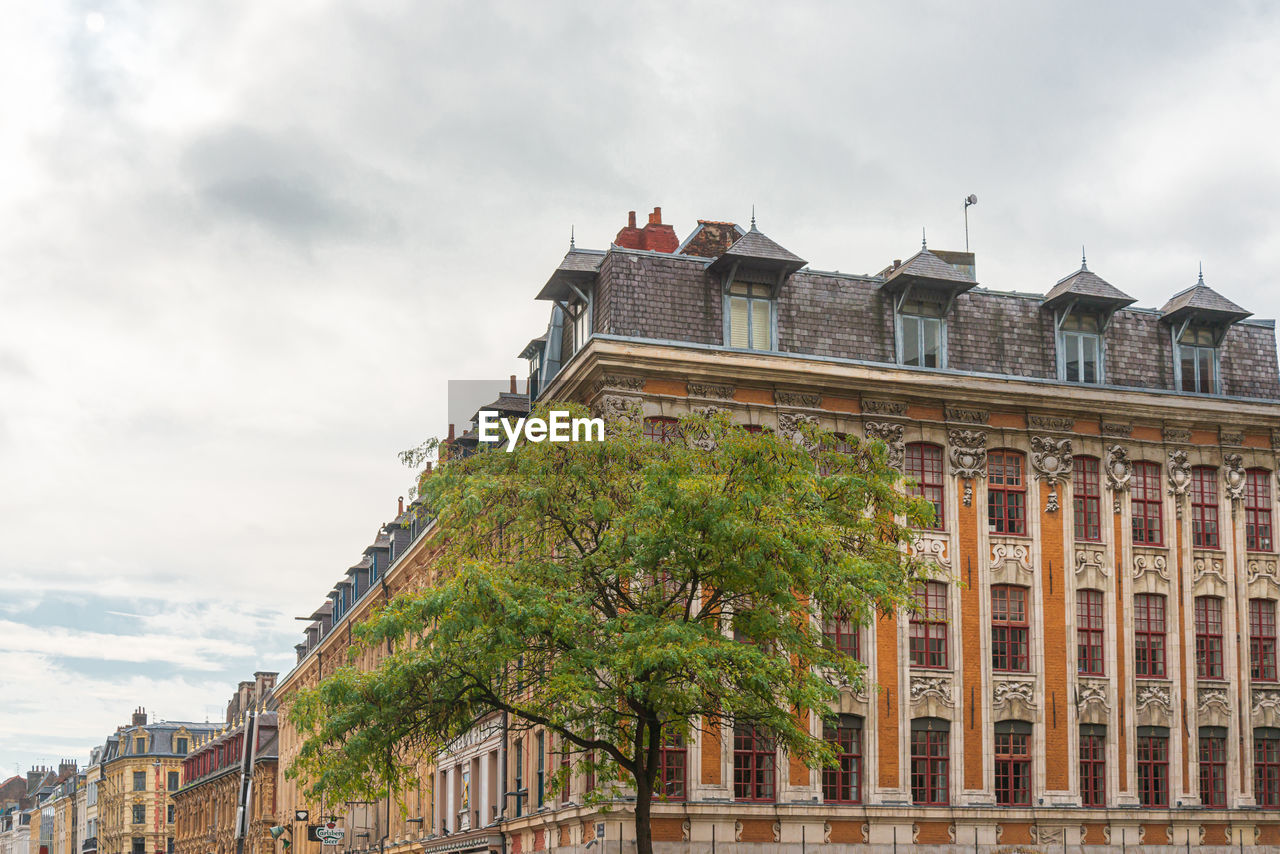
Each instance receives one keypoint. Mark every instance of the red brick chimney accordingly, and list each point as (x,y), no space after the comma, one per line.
(140,717)
(655,236)
(513,384)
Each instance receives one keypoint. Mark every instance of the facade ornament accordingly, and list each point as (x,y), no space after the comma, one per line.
(968,458)
(891,434)
(715,391)
(936,548)
(1004,693)
(1212,696)
(1234,475)
(618,382)
(617,407)
(1266,698)
(1155,694)
(938,687)
(1093,691)
(1179,477)
(967,415)
(1157,563)
(1117,429)
(1050,835)
(1275,440)
(1119,473)
(801,400)
(1091,558)
(1177,435)
(1051,459)
(1054,423)
(884,407)
(789,424)
(1202,566)
(1263,568)
(1232,438)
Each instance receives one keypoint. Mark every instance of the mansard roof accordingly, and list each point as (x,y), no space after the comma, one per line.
(755,249)
(1202,302)
(578,267)
(926,268)
(1086,286)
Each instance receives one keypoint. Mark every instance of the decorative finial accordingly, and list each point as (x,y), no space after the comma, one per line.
(1201,273)
(1083,264)
(571,243)
(753,217)
(924,242)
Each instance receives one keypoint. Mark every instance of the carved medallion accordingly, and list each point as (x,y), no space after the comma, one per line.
(1117,428)
(1234,475)
(1051,459)
(968,457)
(1202,566)
(1155,694)
(1231,437)
(1179,476)
(789,424)
(1093,691)
(618,382)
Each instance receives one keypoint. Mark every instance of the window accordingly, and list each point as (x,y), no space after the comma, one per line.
(1213,766)
(660,429)
(1153,766)
(1198,361)
(750,316)
(180,746)
(139,781)
(1013,764)
(1262,640)
(1266,766)
(930,762)
(1086,492)
(842,784)
(140,744)
(1089,618)
(924,466)
(928,643)
(169,845)
(172,782)
(753,765)
(843,636)
(1147,501)
(139,813)
(541,742)
(1204,507)
(139,845)
(1010,631)
(1257,511)
(672,762)
(1148,634)
(520,793)
(170,813)
(1208,637)
(921,325)
(1006,493)
(581,319)
(1093,766)
(1081,348)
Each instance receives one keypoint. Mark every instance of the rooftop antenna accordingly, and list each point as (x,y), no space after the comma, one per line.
(1083,265)
(753,217)
(970,199)
(924,243)
(571,243)
(1201,282)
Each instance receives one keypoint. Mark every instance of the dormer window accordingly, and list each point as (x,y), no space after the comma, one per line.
(1198,360)
(1080,342)
(580,322)
(921,334)
(750,316)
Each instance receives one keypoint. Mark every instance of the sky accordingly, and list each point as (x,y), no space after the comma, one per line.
(245,246)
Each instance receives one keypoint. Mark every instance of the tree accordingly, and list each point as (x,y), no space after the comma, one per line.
(620,593)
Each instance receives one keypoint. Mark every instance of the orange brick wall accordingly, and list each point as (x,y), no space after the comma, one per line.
(887,699)
(971,627)
(1054,598)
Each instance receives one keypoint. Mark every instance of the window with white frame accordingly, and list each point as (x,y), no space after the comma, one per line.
(921,334)
(1080,340)
(1198,360)
(580,318)
(750,316)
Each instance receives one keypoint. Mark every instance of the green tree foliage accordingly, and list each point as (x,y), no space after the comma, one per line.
(621,593)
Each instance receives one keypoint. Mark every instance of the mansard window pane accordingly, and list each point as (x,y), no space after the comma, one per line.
(1208,637)
(1262,640)
(1006,493)
(1147,500)
(1257,511)
(924,466)
(1204,507)
(1086,494)
(1148,634)
(1197,357)
(750,316)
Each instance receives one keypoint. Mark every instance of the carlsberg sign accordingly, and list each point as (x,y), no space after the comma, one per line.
(556,427)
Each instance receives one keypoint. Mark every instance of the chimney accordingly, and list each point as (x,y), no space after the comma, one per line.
(897,262)
(66,768)
(513,384)
(140,717)
(711,239)
(451,433)
(657,237)
(400,511)
(34,776)
(629,237)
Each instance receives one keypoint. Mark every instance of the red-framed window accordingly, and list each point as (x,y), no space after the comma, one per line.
(1093,770)
(1013,769)
(1262,640)
(672,768)
(1006,493)
(1010,628)
(566,762)
(930,766)
(1153,770)
(924,465)
(1213,767)
(1148,504)
(1089,621)
(1257,510)
(1204,507)
(754,765)
(842,784)
(928,643)
(843,635)
(1086,491)
(661,429)
(1208,637)
(1148,634)
(1266,767)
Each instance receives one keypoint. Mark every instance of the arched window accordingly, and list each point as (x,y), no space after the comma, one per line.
(842,784)
(924,466)
(927,645)
(1147,500)
(1204,507)
(1086,492)
(1006,493)
(1148,635)
(661,429)
(1010,629)
(1089,621)
(1208,637)
(1257,511)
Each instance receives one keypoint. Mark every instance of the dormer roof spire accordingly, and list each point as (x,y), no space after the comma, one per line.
(1084,266)
(924,242)
(753,217)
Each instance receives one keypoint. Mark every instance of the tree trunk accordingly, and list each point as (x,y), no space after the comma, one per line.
(644,833)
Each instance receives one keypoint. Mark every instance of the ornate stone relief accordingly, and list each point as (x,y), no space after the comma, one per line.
(1147,562)
(1018,554)
(1117,428)
(1058,424)
(1051,459)
(1209,696)
(1275,440)
(1091,557)
(1004,693)
(1263,567)
(1234,476)
(617,407)
(1090,691)
(1179,476)
(1155,694)
(937,548)
(1119,473)
(1266,698)
(968,457)
(884,407)
(1177,435)
(1050,835)
(715,391)
(802,400)
(618,382)
(1203,565)
(938,687)
(789,424)
(967,415)
(1231,438)
(891,434)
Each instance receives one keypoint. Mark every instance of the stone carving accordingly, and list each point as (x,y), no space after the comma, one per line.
(891,434)
(1179,477)
(1051,459)
(1147,562)
(1262,567)
(1018,553)
(968,458)
(1091,557)
(826,833)
(1051,422)
(1212,696)
(938,687)
(1275,440)
(1231,438)
(715,391)
(620,383)
(967,415)
(1093,691)
(1116,428)
(937,548)
(1003,693)
(1177,435)
(1203,565)
(616,407)
(737,830)
(1157,694)
(1266,698)
(1119,470)
(684,831)
(1050,835)
(884,407)
(1234,476)
(777,831)
(789,424)
(799,399)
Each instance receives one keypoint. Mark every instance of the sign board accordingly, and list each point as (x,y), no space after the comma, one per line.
(301,815)
(327,834)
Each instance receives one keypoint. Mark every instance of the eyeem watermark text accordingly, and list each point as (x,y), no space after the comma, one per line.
(557,427)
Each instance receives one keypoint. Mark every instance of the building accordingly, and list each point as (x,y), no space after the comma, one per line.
(1104,476)
(140,769)
(206,807)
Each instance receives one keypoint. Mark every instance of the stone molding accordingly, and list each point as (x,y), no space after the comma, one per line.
(966,414)
(884,407)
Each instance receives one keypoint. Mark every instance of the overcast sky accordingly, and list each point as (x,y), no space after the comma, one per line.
(245,245)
